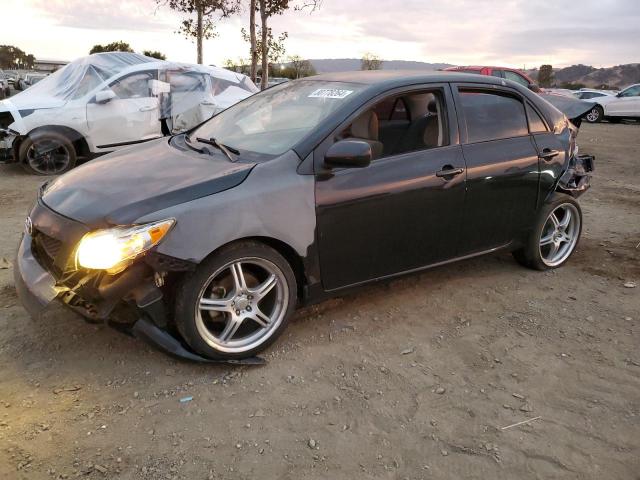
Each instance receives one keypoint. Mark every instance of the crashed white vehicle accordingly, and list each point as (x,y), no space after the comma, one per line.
(107,101)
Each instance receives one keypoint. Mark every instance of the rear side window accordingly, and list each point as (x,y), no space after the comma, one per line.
(492,115)
(536,124)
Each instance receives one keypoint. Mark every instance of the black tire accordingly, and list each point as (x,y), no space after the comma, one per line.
(60,155)
(187,312)
(595,115)
(530,255)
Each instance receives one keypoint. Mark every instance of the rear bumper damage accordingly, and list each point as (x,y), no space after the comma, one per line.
(577,178)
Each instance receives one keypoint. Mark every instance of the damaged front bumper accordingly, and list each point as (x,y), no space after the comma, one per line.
(577,178)
(7,138)
(131,302)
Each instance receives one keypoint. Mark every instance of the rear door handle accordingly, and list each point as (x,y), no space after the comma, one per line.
(547,154)
(147,108)
(449,171)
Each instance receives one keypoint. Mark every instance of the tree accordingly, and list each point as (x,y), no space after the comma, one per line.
(202,26)
(12,58)
(253,44)
(275,46)
(268,9)
(545,76)
(154,54)
(370,62)
(298,67)
(118,46)
(240,66)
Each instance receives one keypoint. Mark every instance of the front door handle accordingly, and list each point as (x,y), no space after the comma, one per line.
(148,108)
(547,154)
(449,171)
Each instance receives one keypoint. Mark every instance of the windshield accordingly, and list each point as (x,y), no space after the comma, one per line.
(275,120)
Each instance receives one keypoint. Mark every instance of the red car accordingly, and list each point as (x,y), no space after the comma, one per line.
(500,72)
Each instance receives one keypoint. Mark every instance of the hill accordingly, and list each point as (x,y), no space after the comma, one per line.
(619,76)
(613,77)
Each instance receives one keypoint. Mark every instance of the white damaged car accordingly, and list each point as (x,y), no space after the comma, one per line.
(624,105)
(108,101)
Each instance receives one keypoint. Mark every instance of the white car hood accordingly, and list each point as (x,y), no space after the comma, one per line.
(19,102)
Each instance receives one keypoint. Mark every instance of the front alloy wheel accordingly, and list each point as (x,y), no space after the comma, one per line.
(241,305)
(47,153)
(243,298)
(595,114)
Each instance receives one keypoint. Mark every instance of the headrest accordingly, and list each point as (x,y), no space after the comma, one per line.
(365,126)
(432,106)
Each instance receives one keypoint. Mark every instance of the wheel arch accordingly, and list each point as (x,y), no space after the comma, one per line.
(77,139)
(287,251)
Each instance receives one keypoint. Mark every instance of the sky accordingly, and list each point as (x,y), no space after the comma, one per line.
(517,33)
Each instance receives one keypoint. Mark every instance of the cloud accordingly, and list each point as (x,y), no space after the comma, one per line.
(509,32)
(475,31)
(104,14)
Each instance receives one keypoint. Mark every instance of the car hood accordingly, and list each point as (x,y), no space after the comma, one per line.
(25,102)
(121,187)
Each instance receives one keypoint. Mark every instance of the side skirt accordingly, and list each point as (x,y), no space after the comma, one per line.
(316,294)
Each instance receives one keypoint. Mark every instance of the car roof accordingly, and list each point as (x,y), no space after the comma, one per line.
(399,78)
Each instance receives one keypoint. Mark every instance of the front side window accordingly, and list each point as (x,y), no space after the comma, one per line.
(275,120)
(631,92)
(516,78)
(135,85)
(401,124)
(492,115)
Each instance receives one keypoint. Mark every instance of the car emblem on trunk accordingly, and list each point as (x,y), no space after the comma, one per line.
(28,226)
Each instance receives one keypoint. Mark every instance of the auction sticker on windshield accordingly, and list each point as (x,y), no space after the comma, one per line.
(330,93)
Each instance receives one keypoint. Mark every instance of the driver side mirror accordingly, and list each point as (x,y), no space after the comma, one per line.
(348,153)
(105,96)
(534,88)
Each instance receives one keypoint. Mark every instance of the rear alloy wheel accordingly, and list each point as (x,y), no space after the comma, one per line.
(560,235)
(237,302)
(595,115)
(555,235)
(47,153)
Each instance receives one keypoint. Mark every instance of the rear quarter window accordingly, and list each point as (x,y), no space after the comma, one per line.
(492,115)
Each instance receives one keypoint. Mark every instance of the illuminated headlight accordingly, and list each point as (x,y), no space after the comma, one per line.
(113,249)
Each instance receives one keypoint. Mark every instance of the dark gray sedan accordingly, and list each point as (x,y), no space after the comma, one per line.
(303,192)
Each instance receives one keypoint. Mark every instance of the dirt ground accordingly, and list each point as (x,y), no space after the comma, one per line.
(410,380)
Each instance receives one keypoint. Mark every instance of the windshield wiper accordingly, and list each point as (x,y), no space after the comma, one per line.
(223,148)
(187,140)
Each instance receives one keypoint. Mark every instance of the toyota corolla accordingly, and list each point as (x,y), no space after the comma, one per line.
(303,192)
